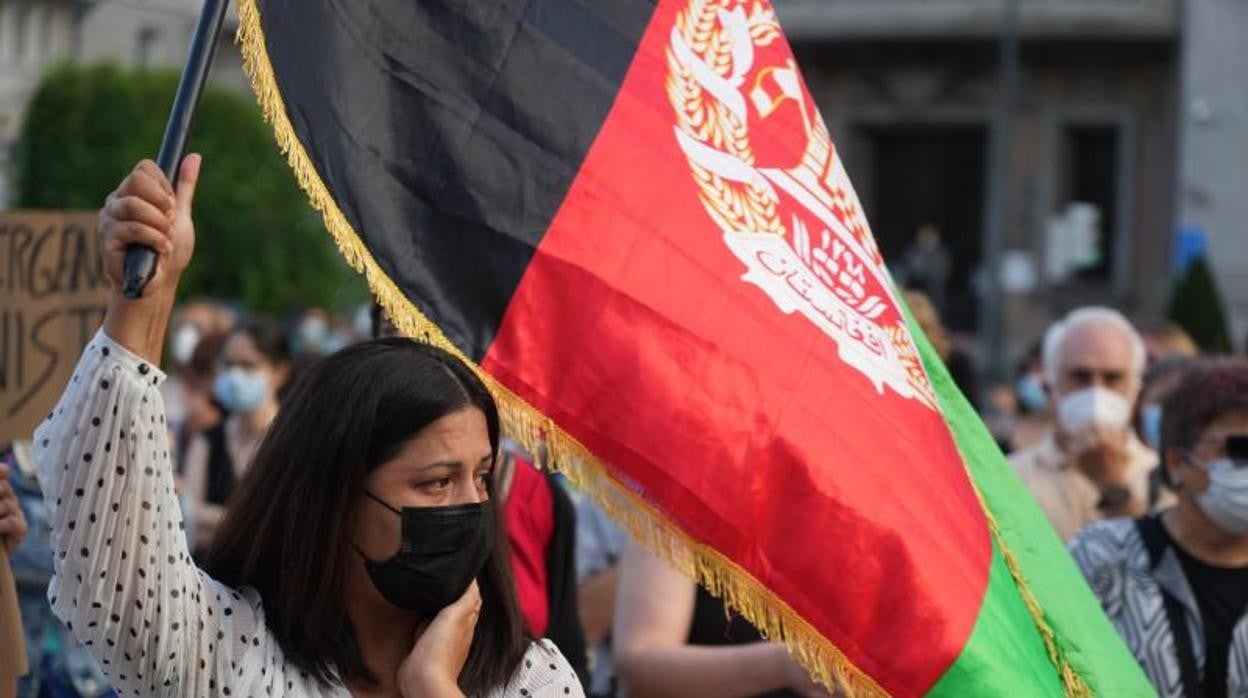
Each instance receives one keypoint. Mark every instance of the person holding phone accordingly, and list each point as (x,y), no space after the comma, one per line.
(1175,584)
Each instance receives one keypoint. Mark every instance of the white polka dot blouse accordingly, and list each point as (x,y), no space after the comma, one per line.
(124,581)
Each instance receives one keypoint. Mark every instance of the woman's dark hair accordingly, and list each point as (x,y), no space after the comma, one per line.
(1163,369)
(1160,371)
(203,363)
(273,342)
(378,316)
(287,530)
(1210,389)
(382,326)
(268,336)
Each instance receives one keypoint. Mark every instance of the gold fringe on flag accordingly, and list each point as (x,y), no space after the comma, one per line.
(722,577)
(1072,683)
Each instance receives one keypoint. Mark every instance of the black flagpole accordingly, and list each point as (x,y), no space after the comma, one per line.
(140,259)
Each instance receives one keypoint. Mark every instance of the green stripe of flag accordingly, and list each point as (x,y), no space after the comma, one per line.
(1004,653)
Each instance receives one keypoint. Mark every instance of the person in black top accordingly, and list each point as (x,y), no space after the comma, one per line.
(1204,439)
(1222,595)
(1175,583)
(673,639)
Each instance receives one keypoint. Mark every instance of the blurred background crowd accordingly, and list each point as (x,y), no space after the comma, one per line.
(1082,408)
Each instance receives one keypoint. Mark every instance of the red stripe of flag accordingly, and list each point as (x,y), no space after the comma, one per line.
(801,450)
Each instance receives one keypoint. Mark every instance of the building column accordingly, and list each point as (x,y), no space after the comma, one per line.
(1212,194)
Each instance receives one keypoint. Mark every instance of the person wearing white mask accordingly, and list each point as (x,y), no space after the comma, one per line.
(1090,466)
(1175,583)
(253,367)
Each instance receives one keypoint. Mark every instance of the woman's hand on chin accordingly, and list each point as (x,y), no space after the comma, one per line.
(432,669)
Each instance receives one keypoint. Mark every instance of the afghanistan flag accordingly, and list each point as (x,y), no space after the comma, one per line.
(630,216)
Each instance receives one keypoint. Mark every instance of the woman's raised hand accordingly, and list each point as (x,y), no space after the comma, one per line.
(144,210)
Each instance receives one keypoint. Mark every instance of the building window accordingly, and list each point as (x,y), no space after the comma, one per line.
(925,201)
(1088,193)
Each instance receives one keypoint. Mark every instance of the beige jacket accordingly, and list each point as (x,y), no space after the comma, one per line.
(1065,494)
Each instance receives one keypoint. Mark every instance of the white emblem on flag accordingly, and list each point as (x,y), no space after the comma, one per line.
(771,180)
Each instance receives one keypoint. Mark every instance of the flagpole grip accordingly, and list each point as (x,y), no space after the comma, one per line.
(140,259)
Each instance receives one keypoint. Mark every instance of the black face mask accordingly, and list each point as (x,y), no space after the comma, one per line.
(441,550)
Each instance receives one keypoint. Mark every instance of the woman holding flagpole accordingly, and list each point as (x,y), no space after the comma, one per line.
(361,554)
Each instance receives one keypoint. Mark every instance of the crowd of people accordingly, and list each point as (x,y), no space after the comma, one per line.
(1143,470)
(215,528)
(1135,447)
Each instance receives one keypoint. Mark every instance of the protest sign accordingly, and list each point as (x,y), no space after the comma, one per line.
(53,293)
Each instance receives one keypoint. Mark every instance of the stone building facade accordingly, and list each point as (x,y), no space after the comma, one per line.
(1131,123)
(1104,140)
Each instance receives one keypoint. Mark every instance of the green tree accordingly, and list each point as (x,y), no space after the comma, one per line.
(258,239)
(1196,306)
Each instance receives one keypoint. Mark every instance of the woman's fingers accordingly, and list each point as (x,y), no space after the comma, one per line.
(437,658)
(123,234)
(461,617)
(147,169)
(464,611)
(188,177)
(147,182)
(12,523)
(139,210)
(12,530)
(470,602)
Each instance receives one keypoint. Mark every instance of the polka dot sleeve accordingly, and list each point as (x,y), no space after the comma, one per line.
(544,673)
(123,581)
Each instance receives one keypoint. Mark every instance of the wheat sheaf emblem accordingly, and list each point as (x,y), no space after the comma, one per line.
(708,119)
(719,72)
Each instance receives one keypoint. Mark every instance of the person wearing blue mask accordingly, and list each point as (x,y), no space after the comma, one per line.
(1175,583)
(1030,391)
(1159,382)
(1034,418)
(253,367)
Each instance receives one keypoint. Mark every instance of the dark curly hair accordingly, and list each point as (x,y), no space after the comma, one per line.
(1210,389)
